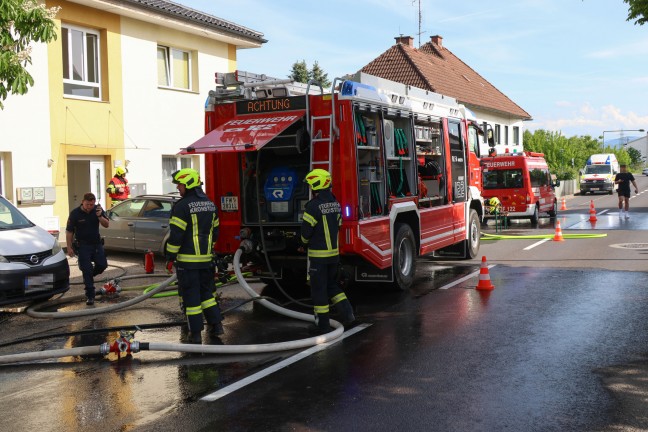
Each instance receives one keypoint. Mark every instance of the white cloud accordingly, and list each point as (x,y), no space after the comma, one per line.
(589,120)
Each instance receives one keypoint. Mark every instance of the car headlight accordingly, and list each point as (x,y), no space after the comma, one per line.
(3,259)
(57,248)
(582,181)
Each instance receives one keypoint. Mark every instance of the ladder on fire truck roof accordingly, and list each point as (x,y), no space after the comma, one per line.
(248,85)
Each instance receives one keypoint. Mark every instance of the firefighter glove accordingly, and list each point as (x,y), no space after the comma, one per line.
(169,266)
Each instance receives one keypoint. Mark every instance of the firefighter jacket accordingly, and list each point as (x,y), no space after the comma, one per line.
(113,188)
(193,230)
(320,226)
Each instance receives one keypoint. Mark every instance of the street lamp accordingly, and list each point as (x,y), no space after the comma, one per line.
(621,131)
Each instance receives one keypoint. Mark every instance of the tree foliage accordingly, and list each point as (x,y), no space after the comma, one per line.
(300,73)
(637,11)
(567,156)
(21,23)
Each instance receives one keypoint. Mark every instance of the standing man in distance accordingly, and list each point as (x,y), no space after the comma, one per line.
(118,188)
(82,231)
(193,232)
(623,179)
(319,231)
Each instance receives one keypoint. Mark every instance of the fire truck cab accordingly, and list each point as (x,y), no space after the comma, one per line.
(522,184)
(399,157)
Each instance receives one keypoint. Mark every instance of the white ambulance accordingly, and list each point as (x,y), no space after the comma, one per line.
(599,174)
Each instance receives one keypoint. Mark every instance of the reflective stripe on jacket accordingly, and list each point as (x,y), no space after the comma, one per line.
(193,230)
(116,183)
(320,226)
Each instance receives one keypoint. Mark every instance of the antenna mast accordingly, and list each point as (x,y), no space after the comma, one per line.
(420,19)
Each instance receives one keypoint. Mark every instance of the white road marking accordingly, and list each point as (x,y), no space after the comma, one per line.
(536,244)
(278,366)
(465,278)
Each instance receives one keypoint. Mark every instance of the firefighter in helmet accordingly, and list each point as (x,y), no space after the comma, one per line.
(193,231)
(118,189)
(493,205)
(319,232)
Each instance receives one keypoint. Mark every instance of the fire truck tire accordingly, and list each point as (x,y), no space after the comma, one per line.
(554,211)
(471,244)
(534,218)
(404,257)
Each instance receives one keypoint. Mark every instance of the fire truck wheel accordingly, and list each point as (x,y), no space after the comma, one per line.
(404,257)
(554,211)
(534,218)
(471,244)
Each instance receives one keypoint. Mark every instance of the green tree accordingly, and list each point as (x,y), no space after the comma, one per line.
(318,74)
(299,72)
(635,155)
(21,23)
(637,11)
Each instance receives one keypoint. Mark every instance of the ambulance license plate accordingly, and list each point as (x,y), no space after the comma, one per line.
(229,203)
(43,282)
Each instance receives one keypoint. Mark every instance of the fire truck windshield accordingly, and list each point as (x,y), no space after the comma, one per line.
(503,179)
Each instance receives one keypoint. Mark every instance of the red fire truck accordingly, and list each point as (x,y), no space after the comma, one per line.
(399,157)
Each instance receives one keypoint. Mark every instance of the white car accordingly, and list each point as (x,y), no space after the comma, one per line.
(33,266)
(645,171)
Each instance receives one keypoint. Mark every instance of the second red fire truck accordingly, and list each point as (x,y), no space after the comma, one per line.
(402,160)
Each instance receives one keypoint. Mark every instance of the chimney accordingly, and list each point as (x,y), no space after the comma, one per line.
(405,40)
(437,40)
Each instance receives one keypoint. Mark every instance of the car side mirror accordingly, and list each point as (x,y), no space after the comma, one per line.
(556,183)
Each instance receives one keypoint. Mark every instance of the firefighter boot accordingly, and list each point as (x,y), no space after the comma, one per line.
(322,325)
(215,330)
(346,312)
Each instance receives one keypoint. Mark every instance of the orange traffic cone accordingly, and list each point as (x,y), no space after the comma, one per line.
(564,205)
(592,212)
(558,236)
(484,278)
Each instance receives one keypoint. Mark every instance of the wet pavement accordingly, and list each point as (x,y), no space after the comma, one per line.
(549,349)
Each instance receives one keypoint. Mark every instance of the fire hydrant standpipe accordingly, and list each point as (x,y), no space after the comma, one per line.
(135,346)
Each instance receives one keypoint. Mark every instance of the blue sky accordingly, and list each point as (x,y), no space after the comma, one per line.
(577,66)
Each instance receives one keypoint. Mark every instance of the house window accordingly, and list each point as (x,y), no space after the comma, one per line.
(506,135)
(498,134)
(81,68)
(171,164)
(516,135)
(174,68)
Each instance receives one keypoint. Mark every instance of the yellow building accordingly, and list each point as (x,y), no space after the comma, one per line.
(124,84)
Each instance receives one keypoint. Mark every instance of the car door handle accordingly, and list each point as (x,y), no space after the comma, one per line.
(131,224)
(164,226)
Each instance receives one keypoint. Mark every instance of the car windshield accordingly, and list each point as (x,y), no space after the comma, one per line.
(598,169)
(503,179)
(11,218)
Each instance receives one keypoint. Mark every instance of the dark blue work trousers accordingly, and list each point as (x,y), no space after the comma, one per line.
(196,288)
(92,262)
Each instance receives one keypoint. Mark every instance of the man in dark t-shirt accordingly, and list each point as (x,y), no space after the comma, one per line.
(82,231)
(623,179)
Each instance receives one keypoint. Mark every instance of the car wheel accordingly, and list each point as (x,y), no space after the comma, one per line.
(404,257)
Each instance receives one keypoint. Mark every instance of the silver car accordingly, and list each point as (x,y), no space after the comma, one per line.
(645,171)
(139,224)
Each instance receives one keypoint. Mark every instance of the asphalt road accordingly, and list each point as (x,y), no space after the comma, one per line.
(559,344)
